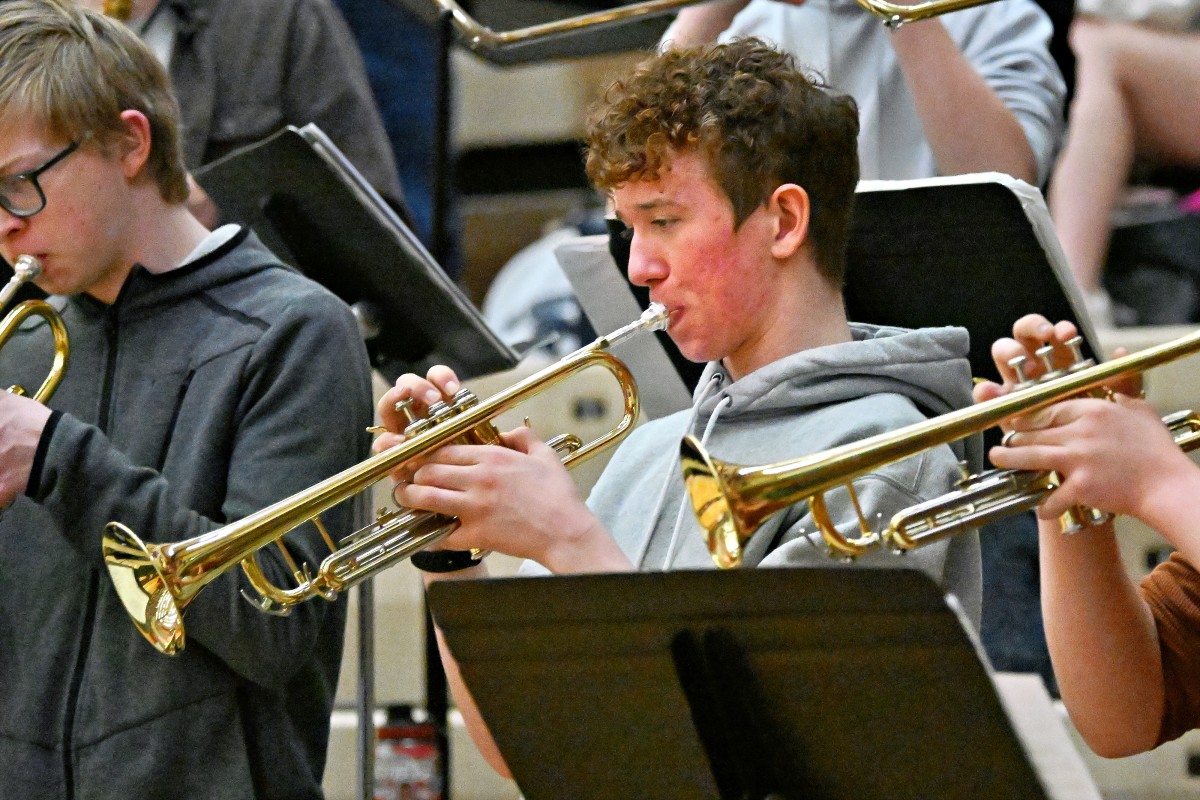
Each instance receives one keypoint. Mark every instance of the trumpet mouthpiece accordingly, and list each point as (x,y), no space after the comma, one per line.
(27,268)
(656,317)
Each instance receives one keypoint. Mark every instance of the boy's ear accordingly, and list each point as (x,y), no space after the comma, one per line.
(790,207)
(134,147)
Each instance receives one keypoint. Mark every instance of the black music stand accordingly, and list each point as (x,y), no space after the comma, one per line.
(822,684)
(314,209)
(978,251)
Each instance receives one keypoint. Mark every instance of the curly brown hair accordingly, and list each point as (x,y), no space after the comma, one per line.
(757,119)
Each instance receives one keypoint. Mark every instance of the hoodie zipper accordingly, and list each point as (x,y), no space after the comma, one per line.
(93,589)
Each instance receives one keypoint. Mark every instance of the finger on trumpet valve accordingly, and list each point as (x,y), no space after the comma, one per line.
(1080,518)
(404,408)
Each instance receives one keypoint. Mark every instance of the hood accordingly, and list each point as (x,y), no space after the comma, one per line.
(145,289)
(928,365)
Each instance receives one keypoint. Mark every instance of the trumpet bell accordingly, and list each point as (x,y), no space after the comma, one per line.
(139,578)
(713,499)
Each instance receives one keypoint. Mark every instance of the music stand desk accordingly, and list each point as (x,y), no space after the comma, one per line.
(823,683)
(979,251)
(316,211)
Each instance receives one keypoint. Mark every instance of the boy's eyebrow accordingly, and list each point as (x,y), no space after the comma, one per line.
(649,205)
(658,202)
(5,166)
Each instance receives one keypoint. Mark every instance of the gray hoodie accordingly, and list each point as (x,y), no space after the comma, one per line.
(201,395)
(816,399)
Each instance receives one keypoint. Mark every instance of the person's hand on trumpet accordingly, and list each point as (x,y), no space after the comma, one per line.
(516,499)
(22,421)
(1113,455)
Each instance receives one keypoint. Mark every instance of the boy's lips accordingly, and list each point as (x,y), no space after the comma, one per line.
(672,310)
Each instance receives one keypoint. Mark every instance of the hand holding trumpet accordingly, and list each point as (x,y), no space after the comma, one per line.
(1112,456)
(22,421)
(516,499)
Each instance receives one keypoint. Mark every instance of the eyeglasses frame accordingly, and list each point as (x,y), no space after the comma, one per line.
(33,175)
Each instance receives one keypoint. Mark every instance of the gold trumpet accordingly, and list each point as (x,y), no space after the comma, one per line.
(506,46)
(156,581)
(26,269)
(732,501)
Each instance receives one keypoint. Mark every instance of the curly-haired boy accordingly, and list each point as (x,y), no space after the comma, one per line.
(735,174)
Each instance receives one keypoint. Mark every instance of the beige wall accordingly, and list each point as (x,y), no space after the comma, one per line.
(536,104)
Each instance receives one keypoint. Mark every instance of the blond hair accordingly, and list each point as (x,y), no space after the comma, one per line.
(74,71)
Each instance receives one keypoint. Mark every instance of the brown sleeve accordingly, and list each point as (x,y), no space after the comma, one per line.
(1172,590)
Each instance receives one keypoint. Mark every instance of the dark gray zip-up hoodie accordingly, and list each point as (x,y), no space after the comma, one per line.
(816,399)
(201,395)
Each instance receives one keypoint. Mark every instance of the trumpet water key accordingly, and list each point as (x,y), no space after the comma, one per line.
(156,581)
(26,269)
(732,501)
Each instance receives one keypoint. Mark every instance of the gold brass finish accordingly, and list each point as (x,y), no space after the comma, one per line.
(484,41)
(488,43)
(118,9)
(156,581)
(994,494)
(26,269)
(896,14)
(732,501)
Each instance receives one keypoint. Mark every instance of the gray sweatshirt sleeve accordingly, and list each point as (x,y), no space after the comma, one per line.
(304,402)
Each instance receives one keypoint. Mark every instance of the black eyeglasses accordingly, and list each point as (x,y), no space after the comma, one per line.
(21,195)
